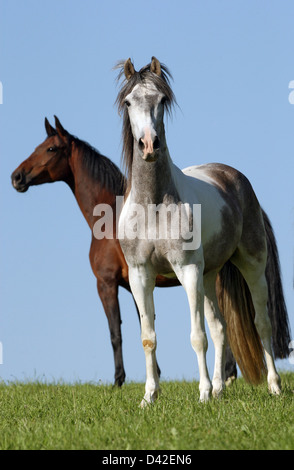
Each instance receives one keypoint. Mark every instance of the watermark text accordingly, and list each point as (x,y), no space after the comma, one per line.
(150,222)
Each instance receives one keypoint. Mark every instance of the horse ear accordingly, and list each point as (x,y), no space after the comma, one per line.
(155,66)
(49,129)
(129,69)
(60,129)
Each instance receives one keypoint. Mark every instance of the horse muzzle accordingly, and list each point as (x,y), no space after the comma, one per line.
(149,148)
(19,181)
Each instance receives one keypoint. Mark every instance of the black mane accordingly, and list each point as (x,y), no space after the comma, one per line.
(100,168)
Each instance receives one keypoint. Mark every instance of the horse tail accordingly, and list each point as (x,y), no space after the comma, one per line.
(236,305)
(277,310)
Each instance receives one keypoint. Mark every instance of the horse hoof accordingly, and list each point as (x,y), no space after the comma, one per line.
(217,393)
(204,396)
(149,398)
(274,389)
(230,381)
(144,403)
(119,382)
(274,385)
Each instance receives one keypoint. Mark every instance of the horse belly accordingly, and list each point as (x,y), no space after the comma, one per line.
(220,244)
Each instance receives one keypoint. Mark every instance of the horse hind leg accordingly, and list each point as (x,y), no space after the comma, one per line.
(230,367)
(253,271)
(259,294)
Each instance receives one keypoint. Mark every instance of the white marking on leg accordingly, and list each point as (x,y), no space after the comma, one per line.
(191,278)
(217,330)
(142,283)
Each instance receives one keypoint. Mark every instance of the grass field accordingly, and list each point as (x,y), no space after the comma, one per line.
(87,416)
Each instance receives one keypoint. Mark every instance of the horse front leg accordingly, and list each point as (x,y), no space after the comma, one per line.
(191,278)
(138,313)
(217,328)
(108,293)
(142,282)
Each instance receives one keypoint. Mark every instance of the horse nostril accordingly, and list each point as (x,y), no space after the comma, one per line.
(17,178)
(141,144)
(156,143)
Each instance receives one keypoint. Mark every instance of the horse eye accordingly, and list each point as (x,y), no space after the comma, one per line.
(127,103)
(52,149)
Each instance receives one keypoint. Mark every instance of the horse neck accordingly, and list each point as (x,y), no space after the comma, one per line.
(152,182)
(88,191)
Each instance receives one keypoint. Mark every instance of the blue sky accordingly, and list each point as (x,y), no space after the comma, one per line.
(232,62)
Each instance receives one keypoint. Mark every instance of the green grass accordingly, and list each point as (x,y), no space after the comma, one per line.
(86,416)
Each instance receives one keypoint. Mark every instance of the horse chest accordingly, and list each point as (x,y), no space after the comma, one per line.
(158,254)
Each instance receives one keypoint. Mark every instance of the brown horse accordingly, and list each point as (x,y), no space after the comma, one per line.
(94,180)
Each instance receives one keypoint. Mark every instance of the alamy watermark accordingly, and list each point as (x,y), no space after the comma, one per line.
(150,222)
(291,94)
